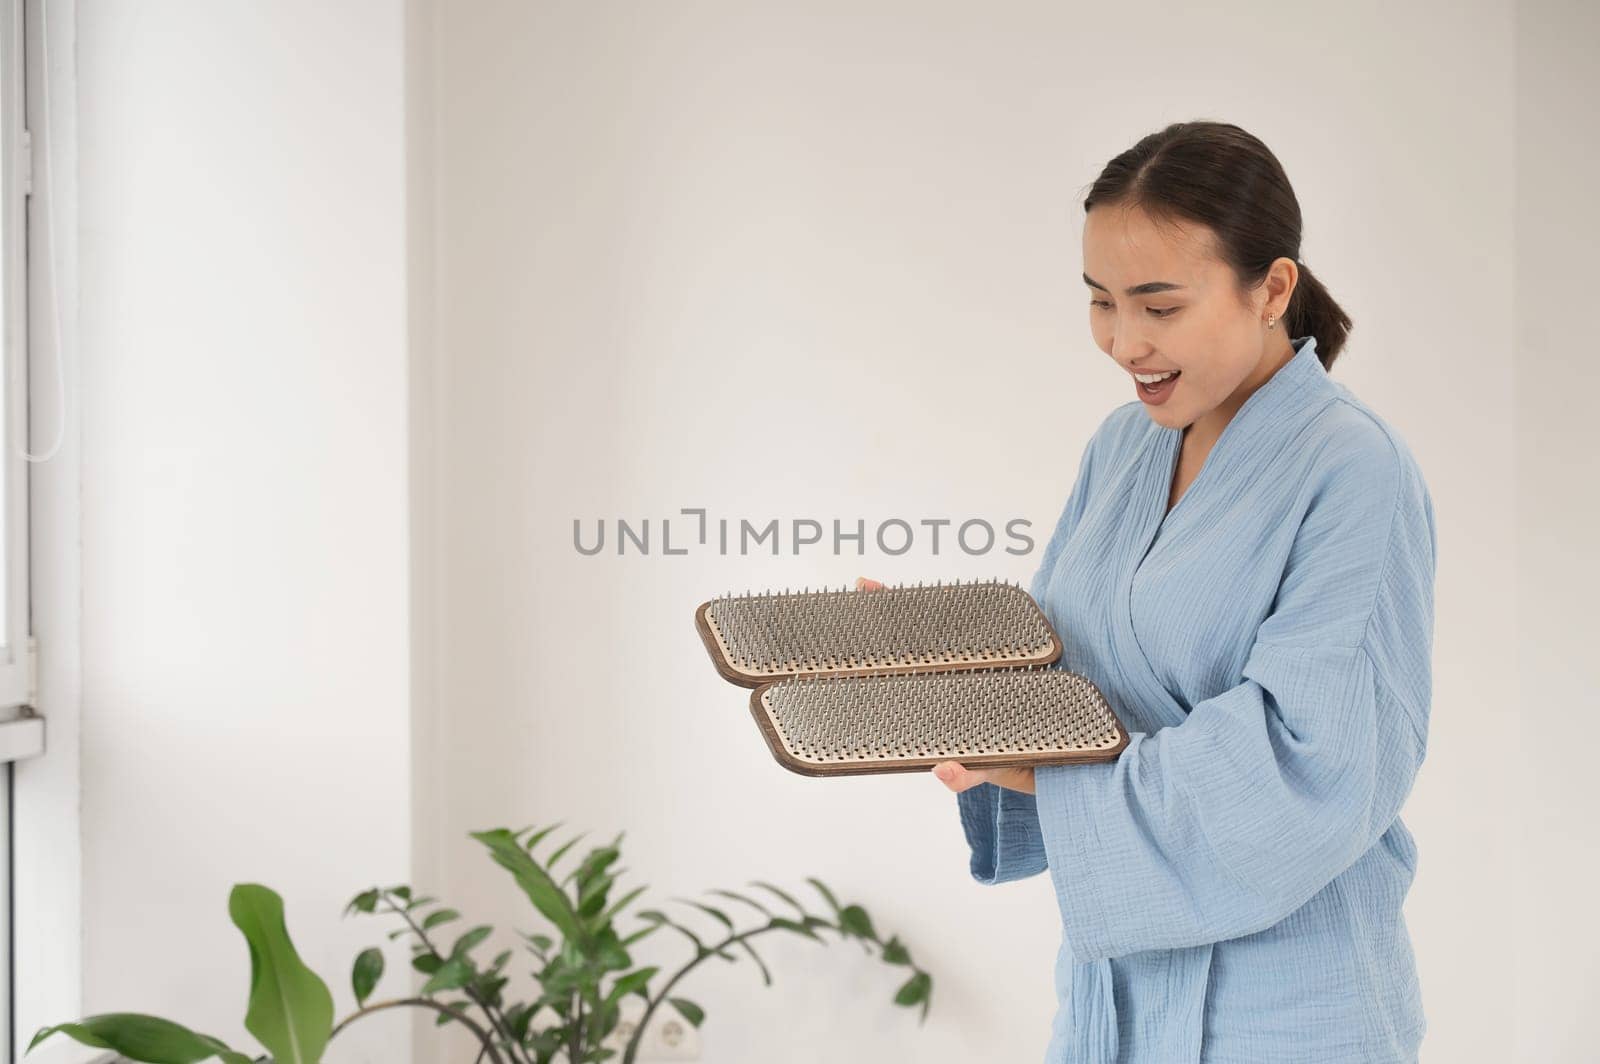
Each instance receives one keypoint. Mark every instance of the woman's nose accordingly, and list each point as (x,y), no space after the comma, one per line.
(1128,346)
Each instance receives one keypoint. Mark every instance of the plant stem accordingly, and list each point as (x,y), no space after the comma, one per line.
(577,1031)
(632,1049)
(518,1056)
(486,1037)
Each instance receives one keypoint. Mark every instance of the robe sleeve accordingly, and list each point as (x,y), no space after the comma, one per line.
(1002,825)
(1225,824)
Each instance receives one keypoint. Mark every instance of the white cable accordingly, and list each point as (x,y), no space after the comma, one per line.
(50,256)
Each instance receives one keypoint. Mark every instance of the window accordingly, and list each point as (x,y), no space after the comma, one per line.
(15,656)
(21,734)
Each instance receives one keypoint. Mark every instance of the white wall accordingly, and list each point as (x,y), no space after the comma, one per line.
(805,262)
(1554,924)
(428,705)
(242,478)
(542,262)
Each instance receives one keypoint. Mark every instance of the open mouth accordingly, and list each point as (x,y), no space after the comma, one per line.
(1158,391)
(1150,389)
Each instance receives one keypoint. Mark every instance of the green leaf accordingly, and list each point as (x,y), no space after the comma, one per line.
(611,956)
(854,919)
(595,863)
(827,894)
(797,928)
(486,987)
(427,963)
(700,948)
(365,974)
(635,982)
(547,1043)
(539,835)
(621,903)
(401,892)
(918,988)
(415,903)
(223,1053)
(818,924)
(592,896)
(784,895)
(550,862)
(291,1010)
(454,974)
(144,1038)
(720,916)
(535,883)
(641,933)
(517,1019)
(895,952)
(766,975)
(735,896)
(365,902)
(442,916)
(444,1017)
(600,1021)
(914,989)
(467,942)
(691,1012)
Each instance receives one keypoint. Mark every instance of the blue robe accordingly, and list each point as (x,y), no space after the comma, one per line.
(1230,886)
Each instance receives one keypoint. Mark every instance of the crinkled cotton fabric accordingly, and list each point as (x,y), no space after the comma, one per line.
(1230,887)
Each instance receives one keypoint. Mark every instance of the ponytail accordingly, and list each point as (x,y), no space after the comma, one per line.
(1314,312)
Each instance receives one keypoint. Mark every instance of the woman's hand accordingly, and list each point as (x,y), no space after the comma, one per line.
(958,779)
(950,773)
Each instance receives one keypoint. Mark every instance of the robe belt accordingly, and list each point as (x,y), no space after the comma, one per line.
(1094,1014)
(1095,1035)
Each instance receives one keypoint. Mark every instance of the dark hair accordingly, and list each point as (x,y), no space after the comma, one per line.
(1218,175)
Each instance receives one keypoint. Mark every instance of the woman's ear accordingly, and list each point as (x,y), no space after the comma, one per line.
(1283,276)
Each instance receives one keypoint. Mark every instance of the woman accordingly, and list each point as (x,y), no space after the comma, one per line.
(1244,567)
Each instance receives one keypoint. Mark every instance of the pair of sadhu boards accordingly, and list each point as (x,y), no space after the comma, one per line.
(902,677)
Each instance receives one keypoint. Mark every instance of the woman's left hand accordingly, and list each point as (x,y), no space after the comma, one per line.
(958,779)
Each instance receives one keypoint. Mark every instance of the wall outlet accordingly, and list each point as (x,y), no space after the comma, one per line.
(669,1036)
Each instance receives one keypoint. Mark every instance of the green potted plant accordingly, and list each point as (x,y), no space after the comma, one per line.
(583,974)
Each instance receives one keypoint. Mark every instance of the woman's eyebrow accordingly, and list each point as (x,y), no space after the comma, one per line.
(1145,289)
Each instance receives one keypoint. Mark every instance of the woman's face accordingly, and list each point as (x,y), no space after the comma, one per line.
(1160,300)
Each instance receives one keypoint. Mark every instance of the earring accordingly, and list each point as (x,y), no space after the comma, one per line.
(1272,320)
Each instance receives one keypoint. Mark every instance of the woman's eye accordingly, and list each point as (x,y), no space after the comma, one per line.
(1158,312)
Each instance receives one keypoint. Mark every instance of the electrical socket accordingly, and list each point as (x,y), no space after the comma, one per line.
(669,1036)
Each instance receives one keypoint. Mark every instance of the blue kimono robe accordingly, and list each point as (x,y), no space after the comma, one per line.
(1230,886)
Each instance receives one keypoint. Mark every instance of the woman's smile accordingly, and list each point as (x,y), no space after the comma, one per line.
(1157,393)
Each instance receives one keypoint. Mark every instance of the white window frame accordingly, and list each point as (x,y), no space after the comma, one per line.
(46,836)
(16,179)
(6,974)
(21,733)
